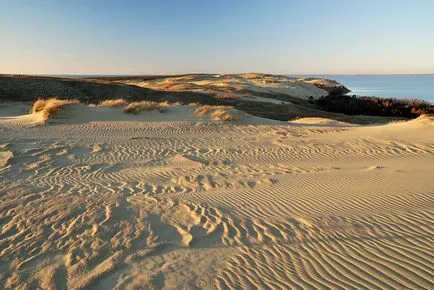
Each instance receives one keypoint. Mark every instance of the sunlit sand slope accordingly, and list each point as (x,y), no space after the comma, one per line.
(200,204)
(238,85)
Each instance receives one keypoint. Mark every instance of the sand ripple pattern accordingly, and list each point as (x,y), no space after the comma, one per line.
(196,205)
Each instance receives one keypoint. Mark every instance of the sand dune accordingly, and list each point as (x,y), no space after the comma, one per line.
(264,95)
(99,199)
(237,85)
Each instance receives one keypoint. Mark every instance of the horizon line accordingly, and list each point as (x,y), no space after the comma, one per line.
(205,73)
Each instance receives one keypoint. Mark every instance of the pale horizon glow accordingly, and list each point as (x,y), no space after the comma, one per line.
(173,37)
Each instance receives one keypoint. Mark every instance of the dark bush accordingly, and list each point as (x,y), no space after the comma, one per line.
(375,106)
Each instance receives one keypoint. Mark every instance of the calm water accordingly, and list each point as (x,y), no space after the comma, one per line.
(398,86)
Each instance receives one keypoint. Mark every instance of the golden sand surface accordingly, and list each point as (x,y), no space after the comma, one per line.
(95,198)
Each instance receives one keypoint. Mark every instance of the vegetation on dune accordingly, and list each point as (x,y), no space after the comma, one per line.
(203,110)
(374,106)
(367,109)
(222,115)
(49,107)
(113,103)
(137,107)
(218,113)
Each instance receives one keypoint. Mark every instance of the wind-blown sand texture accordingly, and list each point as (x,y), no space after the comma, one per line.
(96,198)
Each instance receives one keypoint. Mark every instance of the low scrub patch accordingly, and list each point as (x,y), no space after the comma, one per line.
(374,106)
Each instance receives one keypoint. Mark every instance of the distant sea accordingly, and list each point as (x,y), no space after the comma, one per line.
(397,86)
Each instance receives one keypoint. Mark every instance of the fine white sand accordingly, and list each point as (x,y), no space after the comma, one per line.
(99,199)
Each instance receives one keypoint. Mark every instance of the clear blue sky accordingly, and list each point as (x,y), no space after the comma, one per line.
(179,36)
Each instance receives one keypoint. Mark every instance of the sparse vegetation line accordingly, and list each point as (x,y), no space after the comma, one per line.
(49,107)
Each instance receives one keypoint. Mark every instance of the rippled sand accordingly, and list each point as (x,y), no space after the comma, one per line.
(100,200)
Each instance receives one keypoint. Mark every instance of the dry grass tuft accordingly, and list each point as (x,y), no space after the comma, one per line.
(137,107)
(169,103)
(203,110)
(221,113)
(49,107)
(113,103)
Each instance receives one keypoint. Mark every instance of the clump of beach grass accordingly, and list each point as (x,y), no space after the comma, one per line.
(203,110)
(137,107)
(222,115)
(49,107)
(218,113)
(113,103)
